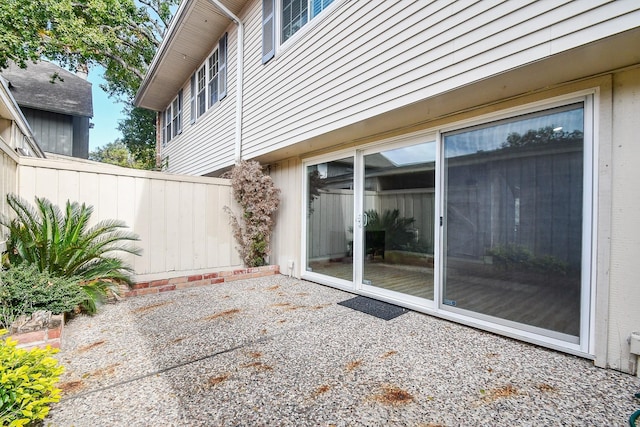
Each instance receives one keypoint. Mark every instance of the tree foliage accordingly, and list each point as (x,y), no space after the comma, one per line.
(139,135)
(114,153)
(120,35)
(117,153)
(545,135)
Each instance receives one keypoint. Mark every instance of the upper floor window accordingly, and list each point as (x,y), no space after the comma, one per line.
(293,15)
(176,107)
(296,13)
(201,90)
(209,83)
(172,119)
(213,78)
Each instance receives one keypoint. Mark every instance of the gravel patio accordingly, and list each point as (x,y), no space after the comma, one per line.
(281,351)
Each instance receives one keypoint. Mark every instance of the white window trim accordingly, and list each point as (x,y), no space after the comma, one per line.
(283,46)
(222,82)
(168,117)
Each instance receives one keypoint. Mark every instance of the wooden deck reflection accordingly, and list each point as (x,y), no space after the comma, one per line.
(550,306)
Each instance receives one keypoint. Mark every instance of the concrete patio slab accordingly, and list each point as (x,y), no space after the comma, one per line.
(281,351)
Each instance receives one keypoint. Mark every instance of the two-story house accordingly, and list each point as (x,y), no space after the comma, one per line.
(473,160)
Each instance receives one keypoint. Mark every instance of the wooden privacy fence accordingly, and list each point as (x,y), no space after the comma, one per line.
(180,220)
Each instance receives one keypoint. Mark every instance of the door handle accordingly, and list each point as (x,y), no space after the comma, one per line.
(365,219)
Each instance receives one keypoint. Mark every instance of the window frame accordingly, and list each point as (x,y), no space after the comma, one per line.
(272,24)
(172,119)
(202,80)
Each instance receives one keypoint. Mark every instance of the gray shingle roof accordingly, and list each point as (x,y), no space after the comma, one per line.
(32,87)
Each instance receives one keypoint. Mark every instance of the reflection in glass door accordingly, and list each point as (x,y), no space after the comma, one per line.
(398,220)
(513,206)
(330,218)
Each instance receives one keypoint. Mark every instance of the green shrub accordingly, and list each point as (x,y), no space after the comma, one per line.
(27,380)
(63,244)
(518,257)
(25,290)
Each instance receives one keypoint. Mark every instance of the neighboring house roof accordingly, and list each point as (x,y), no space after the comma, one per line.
(32,87)
(183,49)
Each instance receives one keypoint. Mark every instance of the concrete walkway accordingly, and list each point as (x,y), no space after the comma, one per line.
(280,351)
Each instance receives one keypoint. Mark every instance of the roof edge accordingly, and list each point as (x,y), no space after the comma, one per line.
(177,20)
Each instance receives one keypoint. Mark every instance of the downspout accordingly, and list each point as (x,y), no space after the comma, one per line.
(239,77)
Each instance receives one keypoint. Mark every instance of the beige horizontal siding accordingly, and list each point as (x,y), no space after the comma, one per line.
(208,144)
(367,58)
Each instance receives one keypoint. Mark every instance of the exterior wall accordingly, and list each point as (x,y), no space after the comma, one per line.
(285,243)
(617,242)
(8,182)
(53,131)
(624,300)
(180,220)
(80,147)
(208,144)
(384,55)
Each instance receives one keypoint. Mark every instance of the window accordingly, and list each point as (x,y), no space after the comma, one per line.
(213,78)
(177,114)
(202,107)
(193,98)
(209,82)
(172,119)
(166,129)
(294,15)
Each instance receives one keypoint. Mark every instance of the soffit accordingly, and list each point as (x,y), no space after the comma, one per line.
(197,26)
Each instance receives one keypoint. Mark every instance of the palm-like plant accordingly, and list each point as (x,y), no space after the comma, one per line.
(64,245)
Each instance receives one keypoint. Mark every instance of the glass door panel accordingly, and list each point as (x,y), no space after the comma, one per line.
(514,202)
(398,219)
(330,218)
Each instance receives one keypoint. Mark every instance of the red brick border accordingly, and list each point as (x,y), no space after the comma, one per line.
(42,338)
(184,282)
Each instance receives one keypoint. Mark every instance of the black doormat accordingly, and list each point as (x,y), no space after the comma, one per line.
(379,309)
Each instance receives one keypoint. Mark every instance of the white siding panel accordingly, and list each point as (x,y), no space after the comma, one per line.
(208,144)
(285,242)
(390,54)
(624,316)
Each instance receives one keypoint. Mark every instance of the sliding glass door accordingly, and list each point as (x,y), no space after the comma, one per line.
(514,221)
(329,218)
(398,218)
(488,224)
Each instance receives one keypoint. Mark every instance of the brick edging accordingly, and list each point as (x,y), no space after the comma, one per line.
(42,337)
(184,282)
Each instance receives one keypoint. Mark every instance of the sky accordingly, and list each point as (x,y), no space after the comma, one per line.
(106,113)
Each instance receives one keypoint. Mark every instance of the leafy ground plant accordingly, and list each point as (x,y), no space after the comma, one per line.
(259,199)
(27,383)
(25,290)
(63,244)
